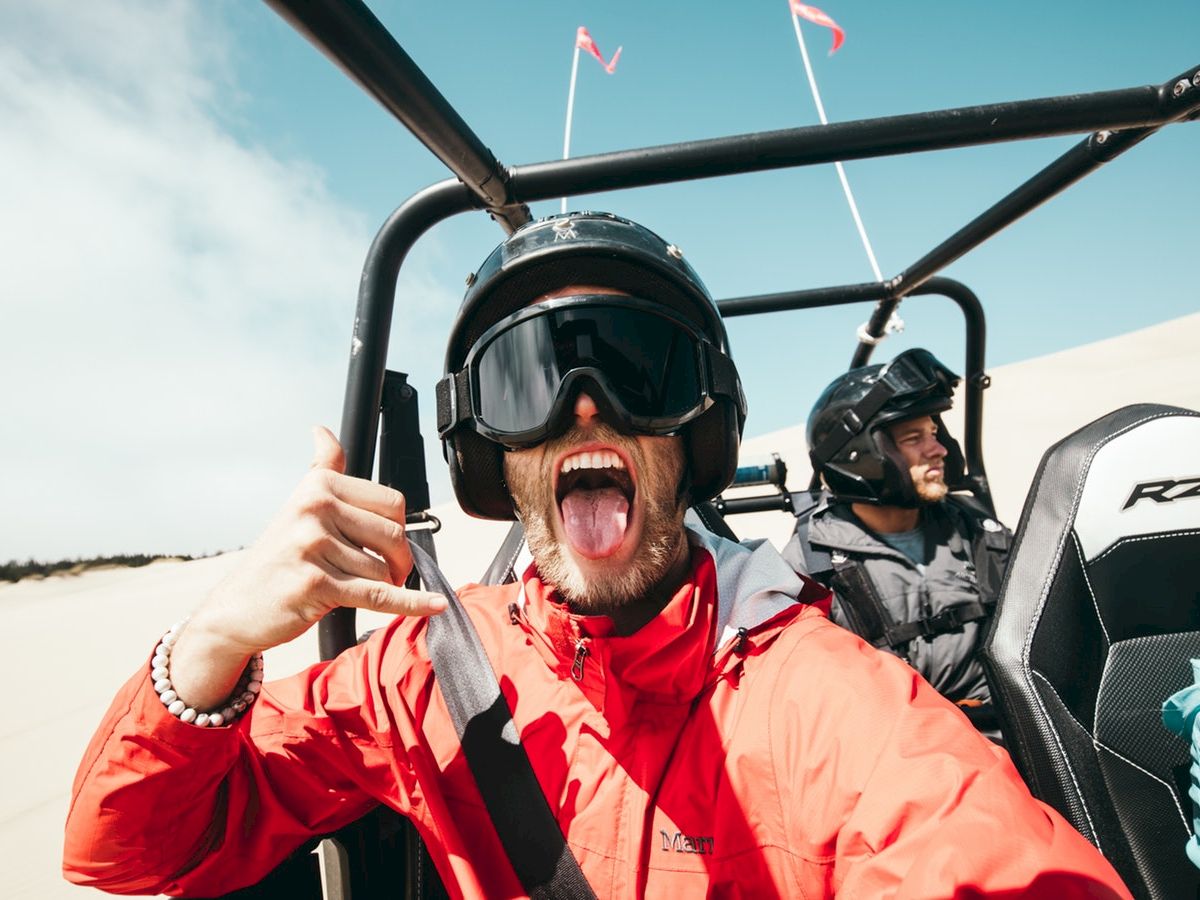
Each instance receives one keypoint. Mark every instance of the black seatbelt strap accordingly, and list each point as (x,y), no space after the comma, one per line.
(713,520)
(869,618)
(952,618)
(865,613)
(816,561)
(518,809)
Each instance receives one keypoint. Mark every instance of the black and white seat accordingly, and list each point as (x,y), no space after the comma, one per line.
(1095,626)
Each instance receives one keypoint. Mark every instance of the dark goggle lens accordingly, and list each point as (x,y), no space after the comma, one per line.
(650,363)
(918,371)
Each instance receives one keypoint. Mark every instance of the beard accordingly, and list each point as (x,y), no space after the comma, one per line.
(928,492)
(660,503)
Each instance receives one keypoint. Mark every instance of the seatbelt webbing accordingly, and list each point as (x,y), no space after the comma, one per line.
(804,504)
(862,604)
(515,803)
(952,618)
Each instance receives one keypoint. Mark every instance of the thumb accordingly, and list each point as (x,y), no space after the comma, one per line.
(327,452)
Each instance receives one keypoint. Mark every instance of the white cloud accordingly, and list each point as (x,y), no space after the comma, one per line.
(176,305)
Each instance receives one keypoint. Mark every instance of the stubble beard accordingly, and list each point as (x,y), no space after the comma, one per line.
(662,501)
(929,492)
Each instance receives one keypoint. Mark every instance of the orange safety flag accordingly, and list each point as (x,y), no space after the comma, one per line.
(583,40)
(817,17)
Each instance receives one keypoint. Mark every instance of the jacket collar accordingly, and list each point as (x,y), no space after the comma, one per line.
(835,527)
(733,593)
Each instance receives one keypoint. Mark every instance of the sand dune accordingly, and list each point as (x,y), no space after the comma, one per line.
(73,640)
(1031,404)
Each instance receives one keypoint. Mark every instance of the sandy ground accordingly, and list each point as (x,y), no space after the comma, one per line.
(69,641)
(66,644)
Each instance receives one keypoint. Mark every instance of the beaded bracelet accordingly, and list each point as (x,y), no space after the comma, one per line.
(239,701)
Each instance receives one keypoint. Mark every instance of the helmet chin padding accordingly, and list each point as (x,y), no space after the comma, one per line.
(711,448)
(477,475)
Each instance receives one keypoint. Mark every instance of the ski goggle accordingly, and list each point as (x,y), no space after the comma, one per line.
(916,374)
(913,378)
(648,370)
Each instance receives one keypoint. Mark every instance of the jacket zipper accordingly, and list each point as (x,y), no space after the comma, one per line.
(581,652)
(743,635)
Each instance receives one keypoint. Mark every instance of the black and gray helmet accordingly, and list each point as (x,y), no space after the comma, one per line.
(576,249)
(847,436)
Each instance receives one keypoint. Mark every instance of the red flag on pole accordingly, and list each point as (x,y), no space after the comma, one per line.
(583,40)
(817,17)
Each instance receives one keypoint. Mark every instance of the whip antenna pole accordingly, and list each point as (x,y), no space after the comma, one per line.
(570,111)
(894,323)
(812,83)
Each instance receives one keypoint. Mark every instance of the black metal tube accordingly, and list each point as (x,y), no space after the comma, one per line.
(860,139)
(732,506)
(373,316)
(812,298)
(349,34)
(368,352)
(1178,99)
(975,380)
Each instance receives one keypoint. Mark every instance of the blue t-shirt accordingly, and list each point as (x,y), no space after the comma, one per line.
(910,543)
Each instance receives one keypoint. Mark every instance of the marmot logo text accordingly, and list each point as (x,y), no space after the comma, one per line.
(1163,491)
(687,843)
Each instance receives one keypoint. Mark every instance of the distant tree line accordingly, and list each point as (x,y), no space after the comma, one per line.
(15,571)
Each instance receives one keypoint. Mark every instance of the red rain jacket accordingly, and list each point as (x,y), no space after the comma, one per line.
(739,744)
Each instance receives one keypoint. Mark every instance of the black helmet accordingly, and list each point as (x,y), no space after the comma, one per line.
(847,438)
(578,249)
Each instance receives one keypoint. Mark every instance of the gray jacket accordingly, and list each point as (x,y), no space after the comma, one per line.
(923,615)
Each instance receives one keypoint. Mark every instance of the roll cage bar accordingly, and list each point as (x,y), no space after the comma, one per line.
(355,40)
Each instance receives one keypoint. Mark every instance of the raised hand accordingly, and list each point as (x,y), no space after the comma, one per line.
(338,541)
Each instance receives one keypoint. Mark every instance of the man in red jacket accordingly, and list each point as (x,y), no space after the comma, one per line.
(696,726)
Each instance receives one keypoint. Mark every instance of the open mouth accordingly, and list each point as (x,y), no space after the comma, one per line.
(595,492)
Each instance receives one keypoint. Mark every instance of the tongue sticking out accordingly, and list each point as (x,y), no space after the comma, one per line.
(595,520)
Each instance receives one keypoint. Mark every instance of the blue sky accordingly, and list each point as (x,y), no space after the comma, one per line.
(190,188)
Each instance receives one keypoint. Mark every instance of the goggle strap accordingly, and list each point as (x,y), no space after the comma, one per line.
(723,376)
(453,395)
(853,421)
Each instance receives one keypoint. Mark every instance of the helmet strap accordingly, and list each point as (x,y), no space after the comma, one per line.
(853,422)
